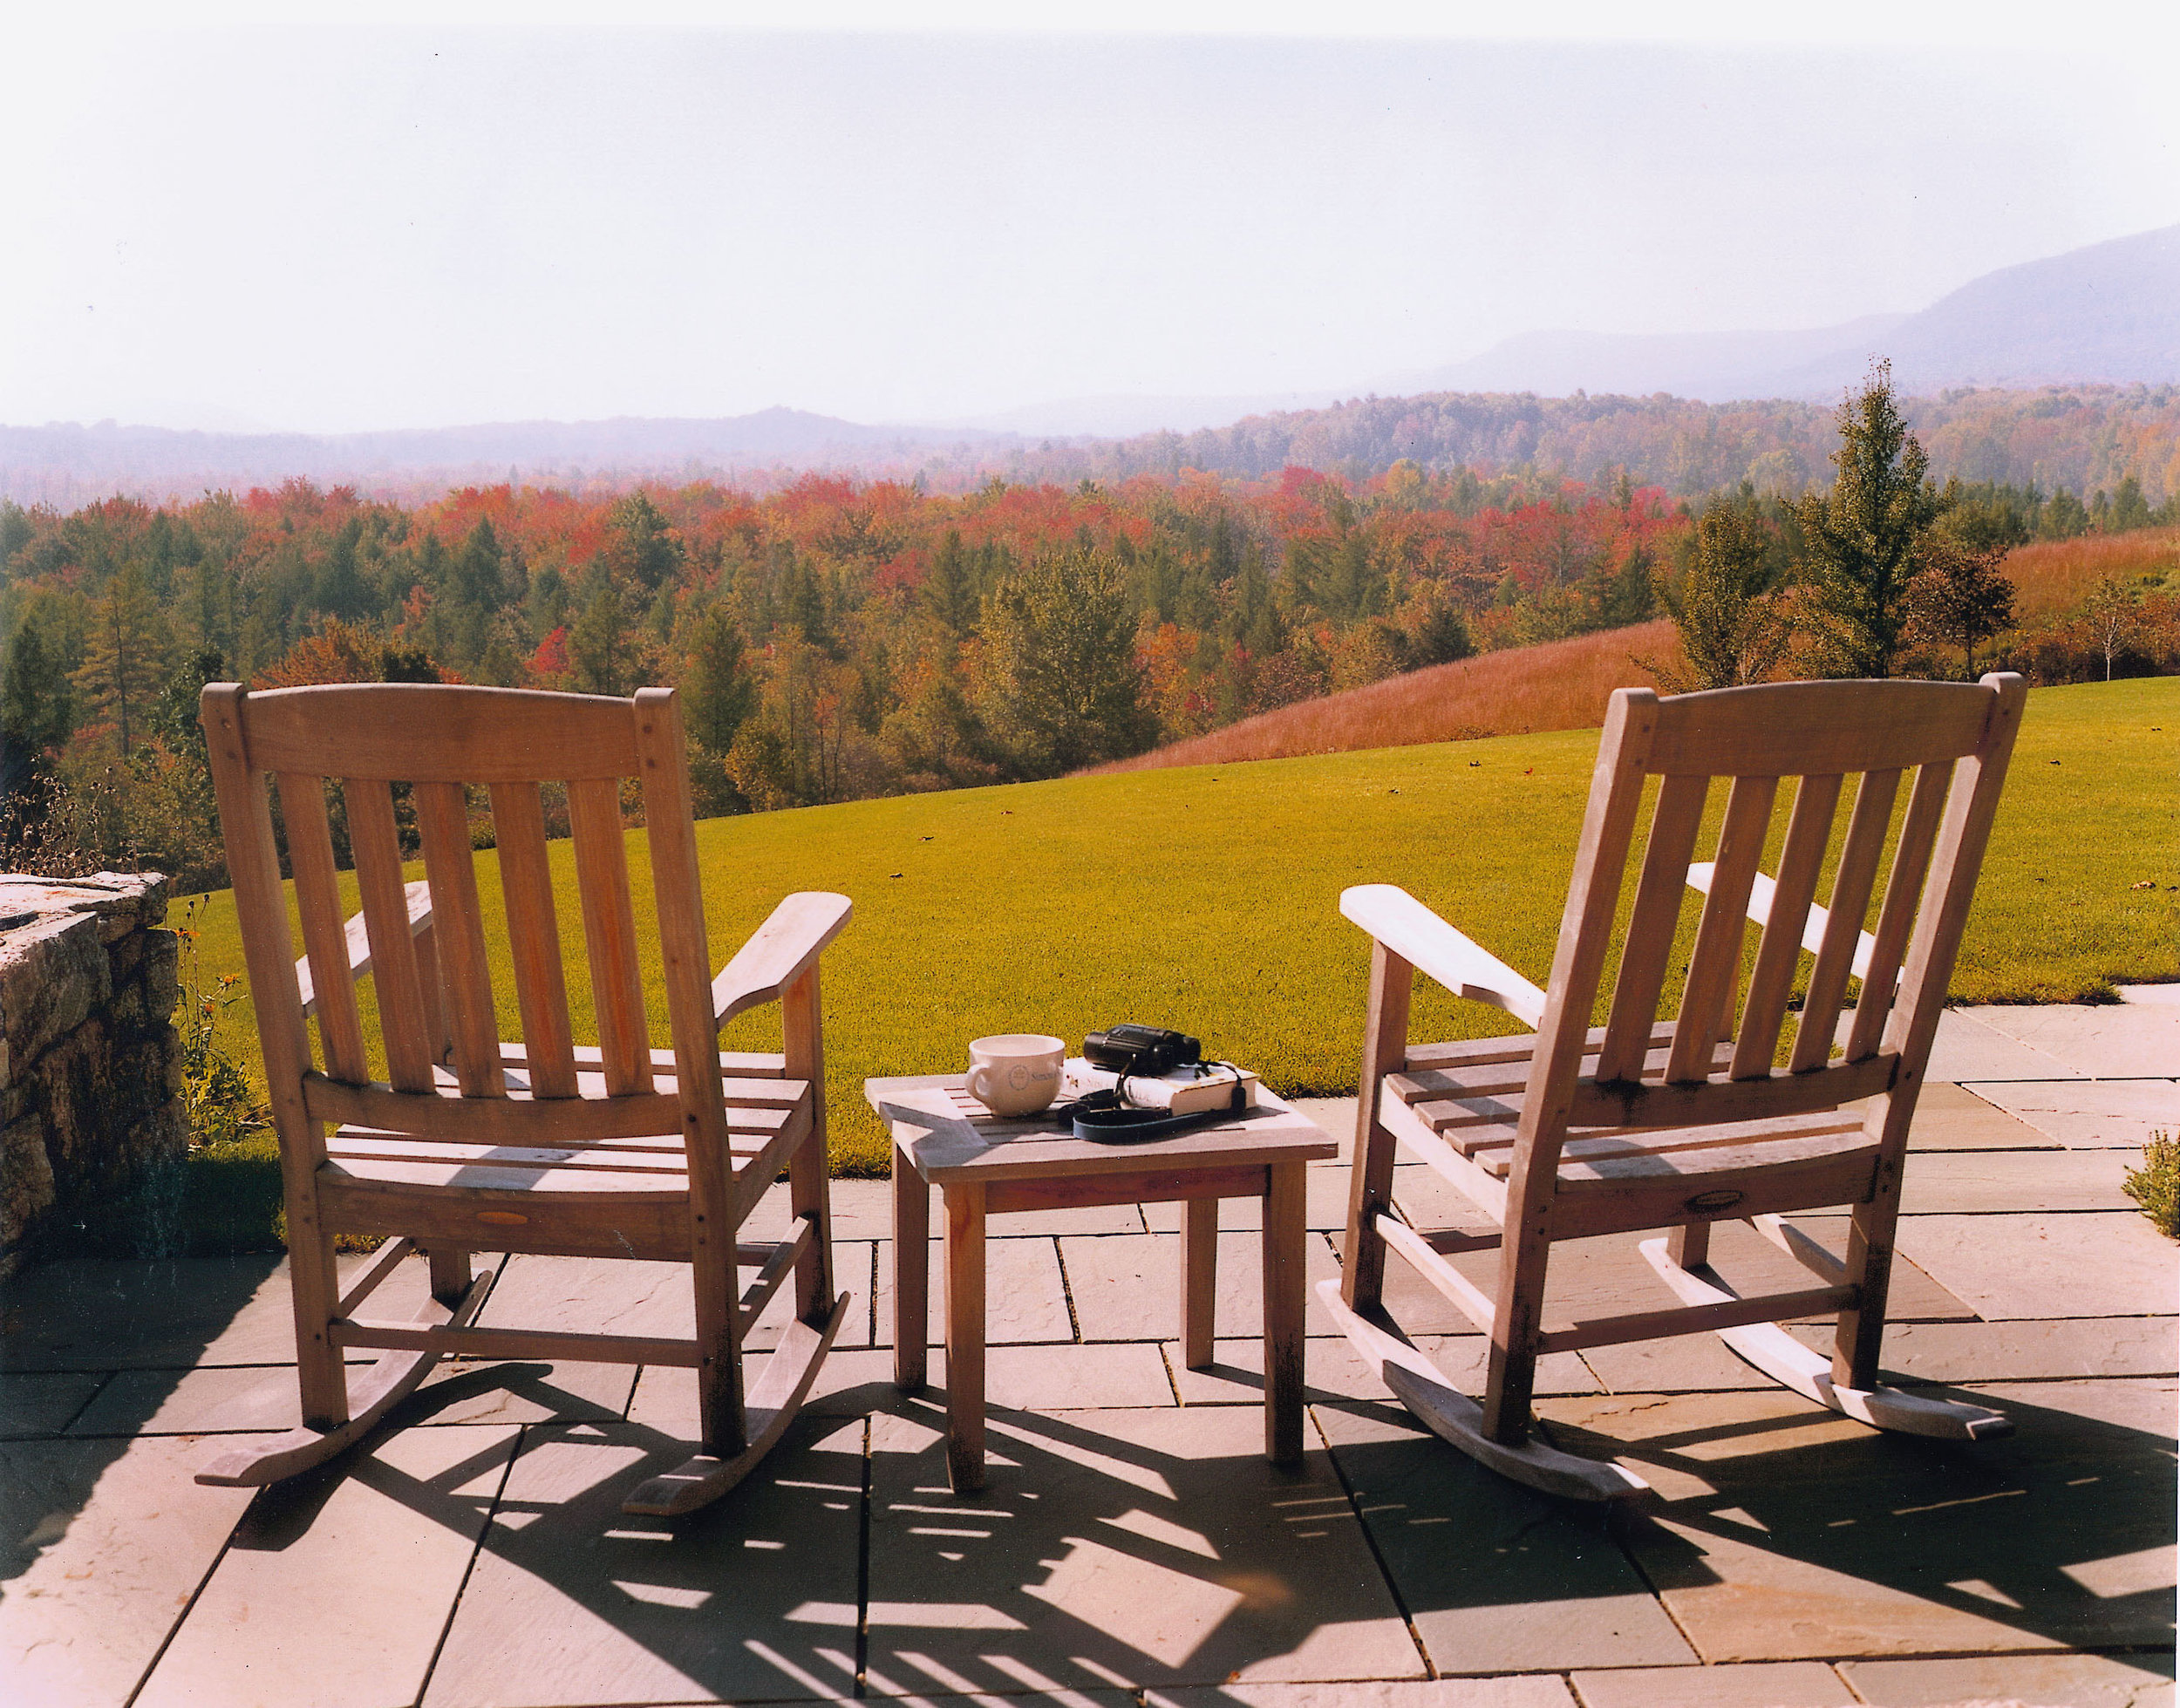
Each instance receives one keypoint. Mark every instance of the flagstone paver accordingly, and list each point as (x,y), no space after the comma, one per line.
(1130,1289)
(338,1587)
(1997,1182)
(1781,1532)
(2065,1681)
(31,1405)
(1532,1690)
(1966,1048)
(1124,1548)
(2110,1041)
(2096,1346)
(1331,1370)
(2028,1263)
(1955,1117)
(571,1601)
(1134,1536)
(2101,1115)
(1766,1684)
(1024,1296)
(108,1541)
(1496,1577)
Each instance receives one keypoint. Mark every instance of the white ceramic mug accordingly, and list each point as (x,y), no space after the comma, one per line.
(1015,1074)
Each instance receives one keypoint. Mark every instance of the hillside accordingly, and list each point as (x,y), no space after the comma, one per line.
(1558,685)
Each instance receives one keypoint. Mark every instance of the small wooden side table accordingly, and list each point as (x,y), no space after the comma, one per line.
(984,1165)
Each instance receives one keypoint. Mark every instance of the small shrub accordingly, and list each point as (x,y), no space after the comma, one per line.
(215,1088)
(2155,1185)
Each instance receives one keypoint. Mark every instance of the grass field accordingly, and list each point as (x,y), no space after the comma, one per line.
(1206,898)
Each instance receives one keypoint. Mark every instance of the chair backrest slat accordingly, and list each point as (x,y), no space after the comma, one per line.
(609,926)
(1771,981)
(1659,896)
(1714,968)
(541,984)
(1902,891)
(395,976)
(1819,735)
(324,937)
(464,968)
(1852,886)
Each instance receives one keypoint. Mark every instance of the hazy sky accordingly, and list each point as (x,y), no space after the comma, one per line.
(383,221)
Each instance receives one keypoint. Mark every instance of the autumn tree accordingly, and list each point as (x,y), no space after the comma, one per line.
(125,657)
(641,544)
(2114,613)
(1060,653)
(1860,538)
(604,651)
(1732,624)
(717,688)
(1959,598)
(36,707)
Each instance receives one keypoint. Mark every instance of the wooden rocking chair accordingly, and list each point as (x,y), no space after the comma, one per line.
(543,1146)
(1576,1131)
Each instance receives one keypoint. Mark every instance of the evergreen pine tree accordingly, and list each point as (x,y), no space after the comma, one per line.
(1860,538)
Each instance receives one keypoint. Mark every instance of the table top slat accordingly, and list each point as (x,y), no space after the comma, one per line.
(951,1138)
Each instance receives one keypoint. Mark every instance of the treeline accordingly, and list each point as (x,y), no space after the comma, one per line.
(2081,438)
(833,639)
(836,639)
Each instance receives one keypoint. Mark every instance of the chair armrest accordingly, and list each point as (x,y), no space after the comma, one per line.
(1760,894)
(419,896)
(1430,945)
(778,952)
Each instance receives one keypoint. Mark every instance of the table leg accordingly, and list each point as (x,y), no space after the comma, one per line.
(1286,1257)
(1199,1280)
(964,1337)
(912,1273)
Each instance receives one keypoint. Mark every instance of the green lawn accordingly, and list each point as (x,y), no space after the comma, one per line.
(1208,898)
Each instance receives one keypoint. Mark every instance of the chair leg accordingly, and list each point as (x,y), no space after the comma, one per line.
(808,1190)
(1860,1336)
(1369,1184)
(451,1273)
(722,1423)
(1510,1380)
(314,1285)
(1690,1244)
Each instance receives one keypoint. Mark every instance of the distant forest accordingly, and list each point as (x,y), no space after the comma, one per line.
(2079,437)
(836,638)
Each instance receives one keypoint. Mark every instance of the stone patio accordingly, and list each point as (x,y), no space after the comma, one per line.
(1133,1547)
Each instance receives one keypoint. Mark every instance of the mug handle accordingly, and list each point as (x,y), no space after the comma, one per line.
(979,1077)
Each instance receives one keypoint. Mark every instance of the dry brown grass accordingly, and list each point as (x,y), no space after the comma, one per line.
(1560,685)
(2054,577)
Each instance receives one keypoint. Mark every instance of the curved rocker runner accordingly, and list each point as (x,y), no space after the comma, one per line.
(543,1146)
(1574,1131)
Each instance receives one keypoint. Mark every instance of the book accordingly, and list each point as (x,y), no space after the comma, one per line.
(1185,1089)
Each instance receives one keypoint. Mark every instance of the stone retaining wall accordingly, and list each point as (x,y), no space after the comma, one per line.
(90,1063)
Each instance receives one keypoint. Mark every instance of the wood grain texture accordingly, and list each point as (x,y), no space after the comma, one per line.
(608,930)
(1370,1181)
(465,967)
(325,939)
(1632,1026)
(429,733)
(1783,916)
(253,859)
(541,983)
(1852,885)
(395,976)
